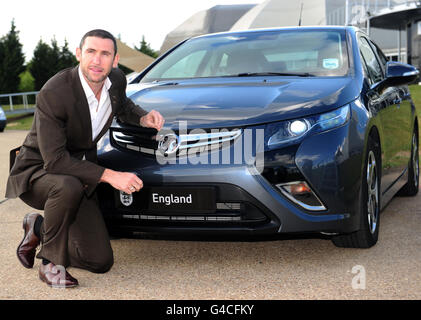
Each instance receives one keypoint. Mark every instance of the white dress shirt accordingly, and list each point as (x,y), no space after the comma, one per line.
(100,110)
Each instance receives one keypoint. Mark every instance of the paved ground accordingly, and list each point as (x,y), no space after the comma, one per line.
(159,268)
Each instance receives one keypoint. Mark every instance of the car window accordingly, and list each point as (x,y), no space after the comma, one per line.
(380,54)
(318,52)
(365,69)
(373,65)
(185,67)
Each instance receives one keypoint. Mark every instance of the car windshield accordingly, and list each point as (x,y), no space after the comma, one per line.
(301,52)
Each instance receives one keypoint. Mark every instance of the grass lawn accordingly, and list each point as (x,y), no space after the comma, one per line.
(6,106)
(26,123)
(416,96)
(18,123)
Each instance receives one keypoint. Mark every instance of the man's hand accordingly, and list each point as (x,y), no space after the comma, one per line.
(123,181)
(152,120)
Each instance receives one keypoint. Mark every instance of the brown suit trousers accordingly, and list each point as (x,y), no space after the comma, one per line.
(73,231)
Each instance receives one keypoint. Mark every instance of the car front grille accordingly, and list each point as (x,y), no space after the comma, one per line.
(225,212)
(139,141)
(181,144)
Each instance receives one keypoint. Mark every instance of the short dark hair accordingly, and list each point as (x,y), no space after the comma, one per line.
(100,34)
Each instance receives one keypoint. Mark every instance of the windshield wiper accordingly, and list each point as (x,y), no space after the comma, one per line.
(254,74)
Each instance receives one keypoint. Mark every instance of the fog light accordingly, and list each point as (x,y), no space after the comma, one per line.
(300,193)
(298,189)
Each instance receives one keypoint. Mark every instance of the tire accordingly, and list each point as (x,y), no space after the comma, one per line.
(368,234)
(411,187)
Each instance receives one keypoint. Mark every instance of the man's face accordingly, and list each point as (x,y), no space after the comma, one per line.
(97,58)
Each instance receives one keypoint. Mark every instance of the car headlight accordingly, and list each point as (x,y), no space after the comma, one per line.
(285,132)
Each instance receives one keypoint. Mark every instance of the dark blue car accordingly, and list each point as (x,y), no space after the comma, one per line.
(290,130)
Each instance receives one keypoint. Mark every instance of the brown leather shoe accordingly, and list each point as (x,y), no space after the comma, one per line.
(27,248)
(56,276)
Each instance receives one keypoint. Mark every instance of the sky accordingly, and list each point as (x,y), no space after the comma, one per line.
(70,20)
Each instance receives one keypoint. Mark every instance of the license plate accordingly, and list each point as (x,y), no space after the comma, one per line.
(182,199)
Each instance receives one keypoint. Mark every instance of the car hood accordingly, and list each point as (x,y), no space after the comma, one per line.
(237,102)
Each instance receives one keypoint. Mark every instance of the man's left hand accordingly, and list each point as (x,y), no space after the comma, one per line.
(152,120)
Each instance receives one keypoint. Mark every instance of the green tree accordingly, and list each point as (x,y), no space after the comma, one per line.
(48,60)
(54,57)
(27,82)
(12,61)
(146,48)
(40,66)
(66,58)
(1,57)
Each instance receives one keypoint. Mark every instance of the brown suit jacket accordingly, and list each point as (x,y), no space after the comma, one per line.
(61,134)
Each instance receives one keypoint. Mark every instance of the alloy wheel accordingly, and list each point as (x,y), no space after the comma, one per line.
(373,193)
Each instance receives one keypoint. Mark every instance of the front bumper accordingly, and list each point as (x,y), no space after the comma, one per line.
(332,170)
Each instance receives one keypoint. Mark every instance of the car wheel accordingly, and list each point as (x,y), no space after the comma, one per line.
(368,234)
(411,187)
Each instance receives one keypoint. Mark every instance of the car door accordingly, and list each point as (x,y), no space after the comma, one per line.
(382,103)
(402,111)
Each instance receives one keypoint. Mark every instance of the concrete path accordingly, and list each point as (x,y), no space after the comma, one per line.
(163,268)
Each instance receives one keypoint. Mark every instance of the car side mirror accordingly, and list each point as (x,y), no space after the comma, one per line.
(398,73)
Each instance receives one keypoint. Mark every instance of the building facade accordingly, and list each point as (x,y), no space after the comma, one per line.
(399,37)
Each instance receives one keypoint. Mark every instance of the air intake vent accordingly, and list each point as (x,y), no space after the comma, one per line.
(183,218)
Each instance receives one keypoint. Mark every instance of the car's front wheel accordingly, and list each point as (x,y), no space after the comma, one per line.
(368,234)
